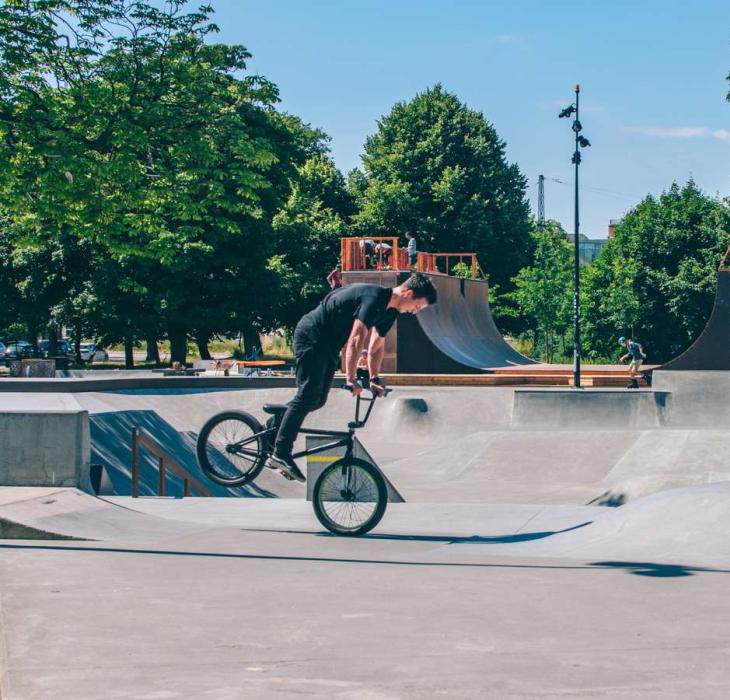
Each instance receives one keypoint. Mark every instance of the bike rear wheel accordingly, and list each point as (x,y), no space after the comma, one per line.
(350,497)
(231,448)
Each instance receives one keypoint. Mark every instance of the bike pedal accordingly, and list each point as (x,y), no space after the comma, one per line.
(286,475)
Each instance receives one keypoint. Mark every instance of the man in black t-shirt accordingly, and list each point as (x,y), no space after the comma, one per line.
(342,320)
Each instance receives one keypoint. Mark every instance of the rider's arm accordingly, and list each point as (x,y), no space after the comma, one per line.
(375,354)
(353,349)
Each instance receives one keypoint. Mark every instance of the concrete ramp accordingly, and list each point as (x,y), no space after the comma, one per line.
(499,445)
(111,446)
(687,525)
(46,513)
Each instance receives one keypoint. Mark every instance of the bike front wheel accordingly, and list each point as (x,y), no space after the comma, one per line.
(350,497)
(231,448)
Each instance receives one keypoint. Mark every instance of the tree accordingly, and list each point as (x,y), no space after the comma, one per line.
(308,230)
(438,168)
(656,278)
(543,291)
(122,125)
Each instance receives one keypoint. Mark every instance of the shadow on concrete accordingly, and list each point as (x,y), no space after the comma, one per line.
(445,539)
(632,567)
(654,570)
(607,498)
(111,447)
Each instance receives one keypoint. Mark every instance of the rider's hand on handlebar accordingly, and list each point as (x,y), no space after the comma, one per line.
(354,387)
(377,387)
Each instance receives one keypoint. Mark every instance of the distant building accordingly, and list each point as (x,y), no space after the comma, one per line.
(588,249)
(611,225)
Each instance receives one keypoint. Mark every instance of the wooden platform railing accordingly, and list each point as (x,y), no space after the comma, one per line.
(434,262)
(165,462)
(358,253)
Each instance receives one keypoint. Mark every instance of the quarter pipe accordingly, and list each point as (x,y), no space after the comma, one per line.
(455,336)
(711,350)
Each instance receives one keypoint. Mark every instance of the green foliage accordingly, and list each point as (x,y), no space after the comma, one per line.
(139,148)
(656,278)
(543,290)
(438,168)
(308,229)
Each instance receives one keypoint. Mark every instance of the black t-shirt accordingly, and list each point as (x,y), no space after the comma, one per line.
(329,325)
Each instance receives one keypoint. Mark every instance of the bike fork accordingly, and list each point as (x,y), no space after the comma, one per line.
(346,474)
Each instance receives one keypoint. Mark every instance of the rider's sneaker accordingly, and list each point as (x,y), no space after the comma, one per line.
(286,465)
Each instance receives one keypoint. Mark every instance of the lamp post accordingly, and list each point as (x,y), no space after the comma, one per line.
(580,142)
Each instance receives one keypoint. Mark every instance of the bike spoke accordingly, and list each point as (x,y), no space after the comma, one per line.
(227,464)
(349,498)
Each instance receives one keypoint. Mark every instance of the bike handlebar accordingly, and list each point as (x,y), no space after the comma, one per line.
(358,423)
(375,395)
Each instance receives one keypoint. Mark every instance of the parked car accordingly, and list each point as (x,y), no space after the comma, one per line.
(63,347)
(19,350)
(91,352)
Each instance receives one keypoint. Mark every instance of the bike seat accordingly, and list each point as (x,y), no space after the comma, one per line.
(275,409)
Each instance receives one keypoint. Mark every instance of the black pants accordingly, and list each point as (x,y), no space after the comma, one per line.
(315,370)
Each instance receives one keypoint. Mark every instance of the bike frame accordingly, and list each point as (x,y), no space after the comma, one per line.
(345,437)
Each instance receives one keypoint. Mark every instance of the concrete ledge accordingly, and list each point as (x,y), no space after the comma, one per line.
(44,448)
(588,408)
(144,382)
(699,398)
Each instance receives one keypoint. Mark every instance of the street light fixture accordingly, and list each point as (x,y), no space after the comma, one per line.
(580,142)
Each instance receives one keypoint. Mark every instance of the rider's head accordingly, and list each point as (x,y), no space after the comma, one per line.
(416,293)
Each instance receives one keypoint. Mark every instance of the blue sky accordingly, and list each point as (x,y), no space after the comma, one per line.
(652,75)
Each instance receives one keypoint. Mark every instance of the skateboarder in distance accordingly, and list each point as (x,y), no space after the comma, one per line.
(343,319)
(636,352)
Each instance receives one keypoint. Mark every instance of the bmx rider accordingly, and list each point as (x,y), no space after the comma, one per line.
(343,319)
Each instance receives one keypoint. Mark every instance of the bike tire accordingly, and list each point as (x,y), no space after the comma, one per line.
(352,517)
(225,468)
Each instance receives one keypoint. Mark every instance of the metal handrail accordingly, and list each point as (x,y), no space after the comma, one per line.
(141,438)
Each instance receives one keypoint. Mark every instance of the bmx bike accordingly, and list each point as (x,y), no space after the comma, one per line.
(349,496)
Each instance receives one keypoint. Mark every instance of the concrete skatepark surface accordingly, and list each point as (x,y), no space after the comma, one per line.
(501,575)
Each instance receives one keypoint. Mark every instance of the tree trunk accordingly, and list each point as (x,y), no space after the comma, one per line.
(77,342)
(202,342)
(128,352)
(178,344)
(52,340)
(153,352)
(251,341)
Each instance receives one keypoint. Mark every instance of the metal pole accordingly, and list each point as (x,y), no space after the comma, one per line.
(576,260)
(135,463)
